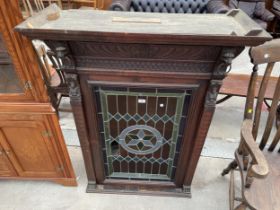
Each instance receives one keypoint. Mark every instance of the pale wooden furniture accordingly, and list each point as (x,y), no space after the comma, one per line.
(30,7)
(143,89)
(31,142)
(258,163)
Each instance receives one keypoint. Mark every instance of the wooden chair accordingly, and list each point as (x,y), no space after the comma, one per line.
(30,7)
(258,164)
(54,78)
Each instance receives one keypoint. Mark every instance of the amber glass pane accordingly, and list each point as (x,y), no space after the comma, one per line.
(9,81)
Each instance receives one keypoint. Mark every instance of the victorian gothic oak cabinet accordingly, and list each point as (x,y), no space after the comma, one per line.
(143,89)
(31,142)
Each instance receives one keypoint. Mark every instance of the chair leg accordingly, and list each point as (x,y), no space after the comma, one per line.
(231,191)
(278,117)
(231,166)
(241,207)
(245,162)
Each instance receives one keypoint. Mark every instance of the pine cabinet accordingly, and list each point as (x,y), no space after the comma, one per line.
(31,142)
(29,146)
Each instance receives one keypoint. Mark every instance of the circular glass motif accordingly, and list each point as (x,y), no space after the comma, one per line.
(140,139)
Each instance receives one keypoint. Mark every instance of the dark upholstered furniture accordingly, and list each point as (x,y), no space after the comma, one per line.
(162,6)
(253,8)
(275,26)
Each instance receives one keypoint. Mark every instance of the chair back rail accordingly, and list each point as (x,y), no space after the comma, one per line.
(267,53)
(261,95)
(271,116)
(275,141)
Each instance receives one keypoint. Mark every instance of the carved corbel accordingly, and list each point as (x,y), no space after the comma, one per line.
(67,65)
(212,93)
(74,86)
(221,68)
(223,65)
(67,61)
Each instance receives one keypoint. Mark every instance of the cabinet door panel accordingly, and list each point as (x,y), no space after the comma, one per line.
(9,81)
(30,151)
(6,168)
(20,77)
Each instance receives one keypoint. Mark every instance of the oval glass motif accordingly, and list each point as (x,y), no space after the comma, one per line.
(140,139)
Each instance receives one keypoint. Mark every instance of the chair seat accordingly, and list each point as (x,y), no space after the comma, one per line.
(264,194)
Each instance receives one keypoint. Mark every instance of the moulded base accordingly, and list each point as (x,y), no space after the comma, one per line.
(136,190)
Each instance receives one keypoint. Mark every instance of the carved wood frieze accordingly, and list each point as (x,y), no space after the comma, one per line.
(144,65)
(145,51)
(145,57)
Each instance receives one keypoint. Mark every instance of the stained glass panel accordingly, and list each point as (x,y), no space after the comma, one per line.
(141,131)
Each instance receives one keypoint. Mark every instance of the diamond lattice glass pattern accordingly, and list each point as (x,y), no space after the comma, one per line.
(141,132)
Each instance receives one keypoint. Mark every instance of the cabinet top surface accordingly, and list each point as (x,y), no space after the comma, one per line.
(233,28)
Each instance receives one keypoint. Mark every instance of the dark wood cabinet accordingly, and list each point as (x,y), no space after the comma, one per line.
(143,89)
(31,141)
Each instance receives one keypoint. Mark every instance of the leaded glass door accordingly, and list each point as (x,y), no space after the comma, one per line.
(141,131)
